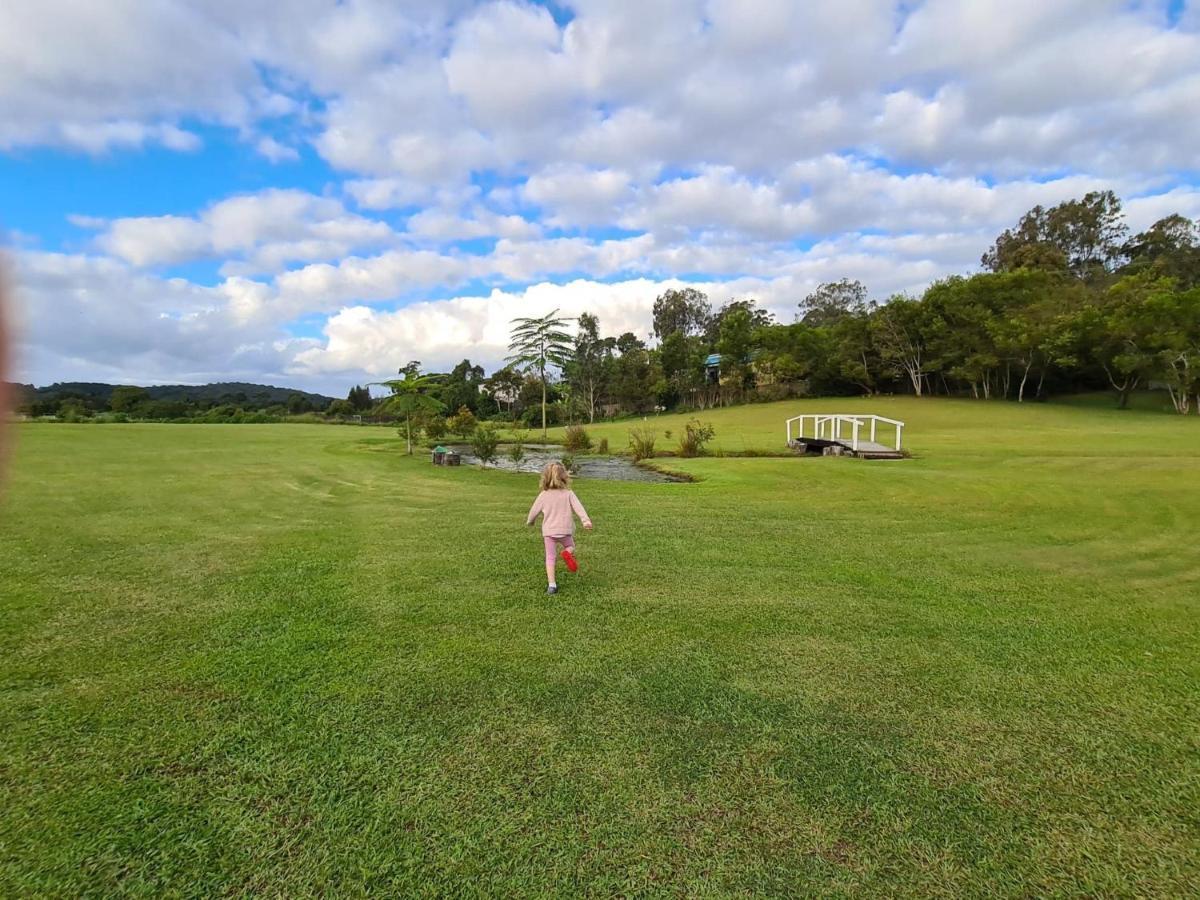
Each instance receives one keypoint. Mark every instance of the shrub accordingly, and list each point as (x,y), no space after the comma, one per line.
(517,451)
(641,443)
(484,442)
(603,446)
(404,432)
(532,415)
(695,436)
(463,422)
(570,464)
(73,411)
(162,409)
(577,439)
(435,428)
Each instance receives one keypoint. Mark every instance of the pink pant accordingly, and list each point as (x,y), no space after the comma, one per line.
(552,541)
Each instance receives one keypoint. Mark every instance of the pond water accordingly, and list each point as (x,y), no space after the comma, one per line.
(608,468)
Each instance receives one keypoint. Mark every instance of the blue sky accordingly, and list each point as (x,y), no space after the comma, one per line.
(313,193)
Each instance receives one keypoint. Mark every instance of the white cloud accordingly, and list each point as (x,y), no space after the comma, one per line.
(385,193)
(721,198)
(851,195)
(810,198)
(1142,212)
(574,195)
(1017,87)
(948,35)
(155,240)
(254,233)
(96,137)
(275,151)
(433,90)
(395,273)
(72,73)
(402,121)
(129,326)
(443,225)
(360,339)
(507,63)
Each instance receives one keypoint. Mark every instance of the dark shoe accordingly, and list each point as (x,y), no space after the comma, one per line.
(552,589)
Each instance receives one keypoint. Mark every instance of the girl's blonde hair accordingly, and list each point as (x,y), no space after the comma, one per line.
(555,477)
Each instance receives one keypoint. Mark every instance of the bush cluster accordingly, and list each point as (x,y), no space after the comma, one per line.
(695,436)
(577,440)
(641,443)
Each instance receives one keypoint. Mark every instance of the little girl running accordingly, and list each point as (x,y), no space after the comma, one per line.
(555,504)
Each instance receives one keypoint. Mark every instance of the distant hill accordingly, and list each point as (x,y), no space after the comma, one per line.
(223,391)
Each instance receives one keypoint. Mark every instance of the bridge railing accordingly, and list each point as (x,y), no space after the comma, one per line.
(842,427)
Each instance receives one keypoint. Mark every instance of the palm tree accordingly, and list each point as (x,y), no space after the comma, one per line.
(410,395)
(537,344)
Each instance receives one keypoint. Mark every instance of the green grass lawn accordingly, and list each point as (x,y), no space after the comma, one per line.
(1087,425)
(287,660)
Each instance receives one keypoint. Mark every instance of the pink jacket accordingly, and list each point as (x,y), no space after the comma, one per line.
(556,508)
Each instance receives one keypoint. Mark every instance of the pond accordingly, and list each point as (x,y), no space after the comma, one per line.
(607,468)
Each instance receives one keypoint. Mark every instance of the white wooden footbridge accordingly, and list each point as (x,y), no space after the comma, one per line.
(856,434)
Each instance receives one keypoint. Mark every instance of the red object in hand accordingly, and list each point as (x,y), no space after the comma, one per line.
(569,559)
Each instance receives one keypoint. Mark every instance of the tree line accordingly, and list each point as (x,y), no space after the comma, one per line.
(234,402)
(1067,301)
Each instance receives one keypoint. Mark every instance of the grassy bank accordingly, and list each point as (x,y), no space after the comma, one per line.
(1085,425)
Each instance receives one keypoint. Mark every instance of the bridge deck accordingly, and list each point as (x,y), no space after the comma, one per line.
(871,448)
(866,449)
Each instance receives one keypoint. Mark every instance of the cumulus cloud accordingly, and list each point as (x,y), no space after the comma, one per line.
(445,225)
(71,73)
(126,325)
(396,192)
(721,198)
(275,151)
(575,195)
(539,81)
(397,273)
(412,89)
(253,233)
(361,339)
